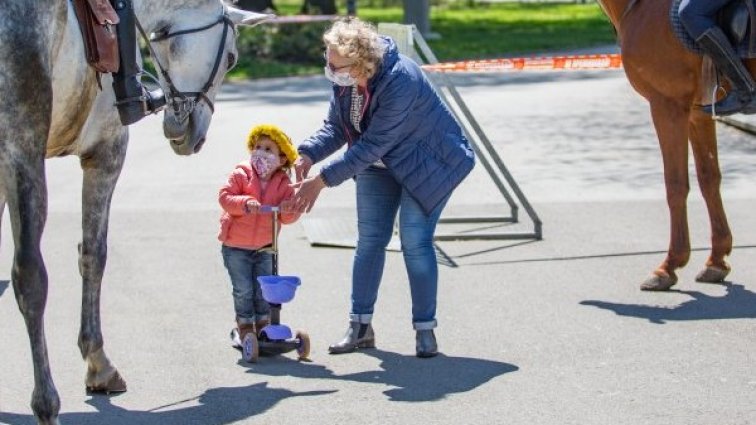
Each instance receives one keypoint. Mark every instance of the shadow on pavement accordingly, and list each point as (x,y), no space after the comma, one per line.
(577,257)
(414,379)
(507,245)
(430,379)
(216,406)
(737,303)
(442,258)
(3,286)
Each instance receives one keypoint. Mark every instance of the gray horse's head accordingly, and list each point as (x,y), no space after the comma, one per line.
(195,47)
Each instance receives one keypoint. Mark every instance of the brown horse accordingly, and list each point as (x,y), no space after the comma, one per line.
(672,79)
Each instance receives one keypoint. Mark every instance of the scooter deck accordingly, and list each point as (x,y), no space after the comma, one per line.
(267,347)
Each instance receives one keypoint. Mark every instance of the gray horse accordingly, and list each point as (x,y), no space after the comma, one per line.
(52,107)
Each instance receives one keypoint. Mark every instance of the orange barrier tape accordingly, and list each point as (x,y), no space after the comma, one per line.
(300,19)
(607,61)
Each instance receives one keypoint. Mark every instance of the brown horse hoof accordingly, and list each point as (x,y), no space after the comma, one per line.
(116,384)
(712,274)
(658,283)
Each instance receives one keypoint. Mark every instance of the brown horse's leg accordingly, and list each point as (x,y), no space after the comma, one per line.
(703,140)
(671,123)
(101,166)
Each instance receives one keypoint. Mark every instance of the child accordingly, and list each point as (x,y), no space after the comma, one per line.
(245,231)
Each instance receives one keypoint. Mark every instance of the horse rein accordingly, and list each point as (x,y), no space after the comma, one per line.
(183,102)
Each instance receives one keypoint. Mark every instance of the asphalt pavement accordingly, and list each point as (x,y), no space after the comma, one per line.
(532,332)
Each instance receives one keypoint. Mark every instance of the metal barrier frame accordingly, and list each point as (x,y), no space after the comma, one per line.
(406,38)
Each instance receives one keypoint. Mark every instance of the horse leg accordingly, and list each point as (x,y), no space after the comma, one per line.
(102,166)
(27,207)
(24,184)
(2,207)
(671,124)
(703,140)
(24,126)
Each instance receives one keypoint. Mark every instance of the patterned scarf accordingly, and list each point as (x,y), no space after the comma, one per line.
(355,111)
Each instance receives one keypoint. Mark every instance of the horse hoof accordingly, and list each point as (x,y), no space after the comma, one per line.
(658,283)
(116,384)
(712,274)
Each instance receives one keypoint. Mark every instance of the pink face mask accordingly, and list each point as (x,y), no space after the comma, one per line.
(265,163)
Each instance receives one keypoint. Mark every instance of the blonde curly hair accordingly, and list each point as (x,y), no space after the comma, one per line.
(354,39)
(278,137)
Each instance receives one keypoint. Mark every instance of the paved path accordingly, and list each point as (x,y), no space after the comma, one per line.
(547,332)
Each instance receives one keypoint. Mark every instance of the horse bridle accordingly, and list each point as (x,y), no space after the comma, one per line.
(183,102)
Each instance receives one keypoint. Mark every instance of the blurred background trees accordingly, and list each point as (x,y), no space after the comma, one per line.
(468,29)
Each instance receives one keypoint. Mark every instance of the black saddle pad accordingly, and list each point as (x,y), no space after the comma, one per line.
(746,47)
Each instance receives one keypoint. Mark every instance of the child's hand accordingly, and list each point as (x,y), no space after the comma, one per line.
(252,206)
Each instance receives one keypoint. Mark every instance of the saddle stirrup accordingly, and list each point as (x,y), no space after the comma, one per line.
(742,97)
(133,101)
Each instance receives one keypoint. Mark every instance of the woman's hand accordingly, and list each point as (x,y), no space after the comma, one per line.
(288,206)
(302,167)
(307,192)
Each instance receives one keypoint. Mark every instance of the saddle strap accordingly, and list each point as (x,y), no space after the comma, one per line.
(103,12)
(97,20)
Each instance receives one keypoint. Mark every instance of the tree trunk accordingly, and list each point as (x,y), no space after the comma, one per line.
(418,12)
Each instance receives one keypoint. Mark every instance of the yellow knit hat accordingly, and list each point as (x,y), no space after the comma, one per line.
(278,136)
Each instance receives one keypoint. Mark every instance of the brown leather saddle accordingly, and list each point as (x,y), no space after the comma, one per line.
(737,20)
(97,21)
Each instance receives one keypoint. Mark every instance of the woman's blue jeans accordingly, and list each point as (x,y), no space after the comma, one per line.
(244,265)
(379,198)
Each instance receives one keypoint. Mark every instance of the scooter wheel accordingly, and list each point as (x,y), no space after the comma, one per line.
(303,345)
(250,348)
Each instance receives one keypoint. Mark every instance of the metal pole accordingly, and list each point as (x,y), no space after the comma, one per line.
(488,147)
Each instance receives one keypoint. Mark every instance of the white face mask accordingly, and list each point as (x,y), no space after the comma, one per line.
(339,78)
(265,163)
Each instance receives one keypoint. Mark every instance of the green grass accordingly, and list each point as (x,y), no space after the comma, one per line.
(497,30)
(513,28)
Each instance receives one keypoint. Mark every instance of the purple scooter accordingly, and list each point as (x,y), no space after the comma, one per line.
(274,338)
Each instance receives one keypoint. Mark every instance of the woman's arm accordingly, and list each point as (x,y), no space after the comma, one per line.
(328,139)
(388,127)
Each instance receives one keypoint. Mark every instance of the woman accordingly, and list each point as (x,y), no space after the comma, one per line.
(407,154)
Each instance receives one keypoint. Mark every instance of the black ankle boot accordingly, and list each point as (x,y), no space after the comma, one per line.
(425,343)
(359,335)
(134,102)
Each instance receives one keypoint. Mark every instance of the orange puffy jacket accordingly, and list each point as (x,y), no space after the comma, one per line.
(240,229)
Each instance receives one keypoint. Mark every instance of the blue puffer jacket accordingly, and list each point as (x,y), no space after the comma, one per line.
(406,125)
